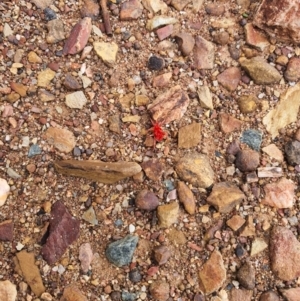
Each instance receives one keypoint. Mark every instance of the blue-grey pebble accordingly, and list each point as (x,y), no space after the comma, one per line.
(120,252)
(34,150)
(128,296)
(49,14)
(252,138)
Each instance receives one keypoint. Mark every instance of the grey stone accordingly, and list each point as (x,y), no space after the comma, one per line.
(246,276)
(128,296)
(252,138)
(120,252)
(34,150)
(292,152)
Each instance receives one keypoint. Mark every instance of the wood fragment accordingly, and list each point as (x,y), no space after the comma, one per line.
(105,16)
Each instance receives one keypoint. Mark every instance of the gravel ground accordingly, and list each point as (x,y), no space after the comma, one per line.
(209,198)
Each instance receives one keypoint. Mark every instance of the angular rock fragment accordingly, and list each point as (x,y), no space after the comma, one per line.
(289,104)
(30,272)
(167,214)
(153,169)
(269,172)
(247,160)
(62,139)
(78,37)
(164,32)
(230,78)
(228,123)
(274,152)
(213,273)
(186,197)
(63,231)
(292,72)
(155,6)
(260,71)
(236,222)
(205,97)
(120,252)
(240,294)
(280,19)
(258,245)
(4,191)
(45,77)
(46,96)
(292,152)
(159,21)
(189,135)
(291,294)
(19,88)
(204,54)
(104,172)
(131,10)
(71,82)
(42,3)
(107,52)
(280,194)
(76,100)
(246,276)
(170,105)
(146,200)
(90,9)
(73,293)
(195,169)
(8,291)
(284,252)
(56,31)
(180,4)
(162,80)
(186,42)
(255,38)
(225,196)
(6,230)
(162,254)
(252,138)
(85,256)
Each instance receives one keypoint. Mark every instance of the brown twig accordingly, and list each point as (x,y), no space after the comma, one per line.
(105,16)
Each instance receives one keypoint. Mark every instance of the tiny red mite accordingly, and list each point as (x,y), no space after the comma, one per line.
(158,133)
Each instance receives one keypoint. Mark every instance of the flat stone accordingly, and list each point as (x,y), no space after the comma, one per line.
(169,106)
(167,214)
(225,196)
(269,172)
(162,254)
(104,172)
(269,296)
(46,96)
(274,152)
(71,82)
(4,191)
(285,112)
(204,54)
(62,139)
(73,293)
(252,138)
(284,252)
(56,31)
(291,294)
(8,291)
(155,6)
(159,290)
(247,160)
(120,252)
(146,200)
(280,19)
(153,169)
(30,272)
(76,100)
(42,3)
(85,256)
(131,10)
(19,88)
(90,216)
(186,42)
(280,194)
(213,273)
(236,222)
(45,77)
(141,100)
(107,52)
(246,276)
(195,169)
(78,37)
(159,21)
(230,78)
(215,9)
(189,135)
(186,197)
(176,237)
(240,294)
(292,152)
(228,123)
(180,4)
(34,58)
(205,97)
(247,103)
(6,230)
(13,97)
(260,71)
(114,124)
(162,80)
(258,245)
(90,9)
(292,72)
(164,32)
(255,38)
(63,231)
(7,31)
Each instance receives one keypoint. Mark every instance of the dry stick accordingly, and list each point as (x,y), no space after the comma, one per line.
(105,16)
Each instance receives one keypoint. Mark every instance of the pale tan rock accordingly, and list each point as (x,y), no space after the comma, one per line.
(76,100)
(269,172)
(62,139)
(249,229)
(255,38)
(204,54)
(274,152)
(162,80)
(258,245)
(280,194)
(167,214)
(73,293)
(289,104)
(169,106)
(186,197)
(291,294)
(247,103)
(104,172)
(8,291)
(45,77)
(42,3)
(30,272)
(46,96)
(225,196)
(19,88)
(236,222)
(180,4)
(159,21)
(205,97)
(107,52)
(141,100)
(155,6)
(7,31)
(189,135)
(4,191)
(56,31)
(213,273)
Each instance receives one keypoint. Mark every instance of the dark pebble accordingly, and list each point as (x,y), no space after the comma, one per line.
(128,296)
(76,151)
(243,22)
(246,276)
(156,63)
(252,138)
(59,53)
(292,152)
(115,296)
(233,148)
(240,251)
(135,276)
(49,14)
(247,160)
(89,151)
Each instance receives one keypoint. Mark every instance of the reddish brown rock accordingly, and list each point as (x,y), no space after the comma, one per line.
(228,123)
(186,197)
(71,82)
(159,290)
(204,54)
(6,230)
(19,88)
(280,19)
(90,9)
(269,296)
(162,80)
(153,169)
(162,254)
(131,10)
(164,32)
(247,160)
(63,231)
(255,38)
(230,78)
(240,294)
(186,42)
(284,254)
(291,294)
(78,37)
(146,200)
(292,72)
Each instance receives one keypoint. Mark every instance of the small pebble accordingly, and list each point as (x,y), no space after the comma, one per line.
(49,14)
(135,276)
(156,63)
